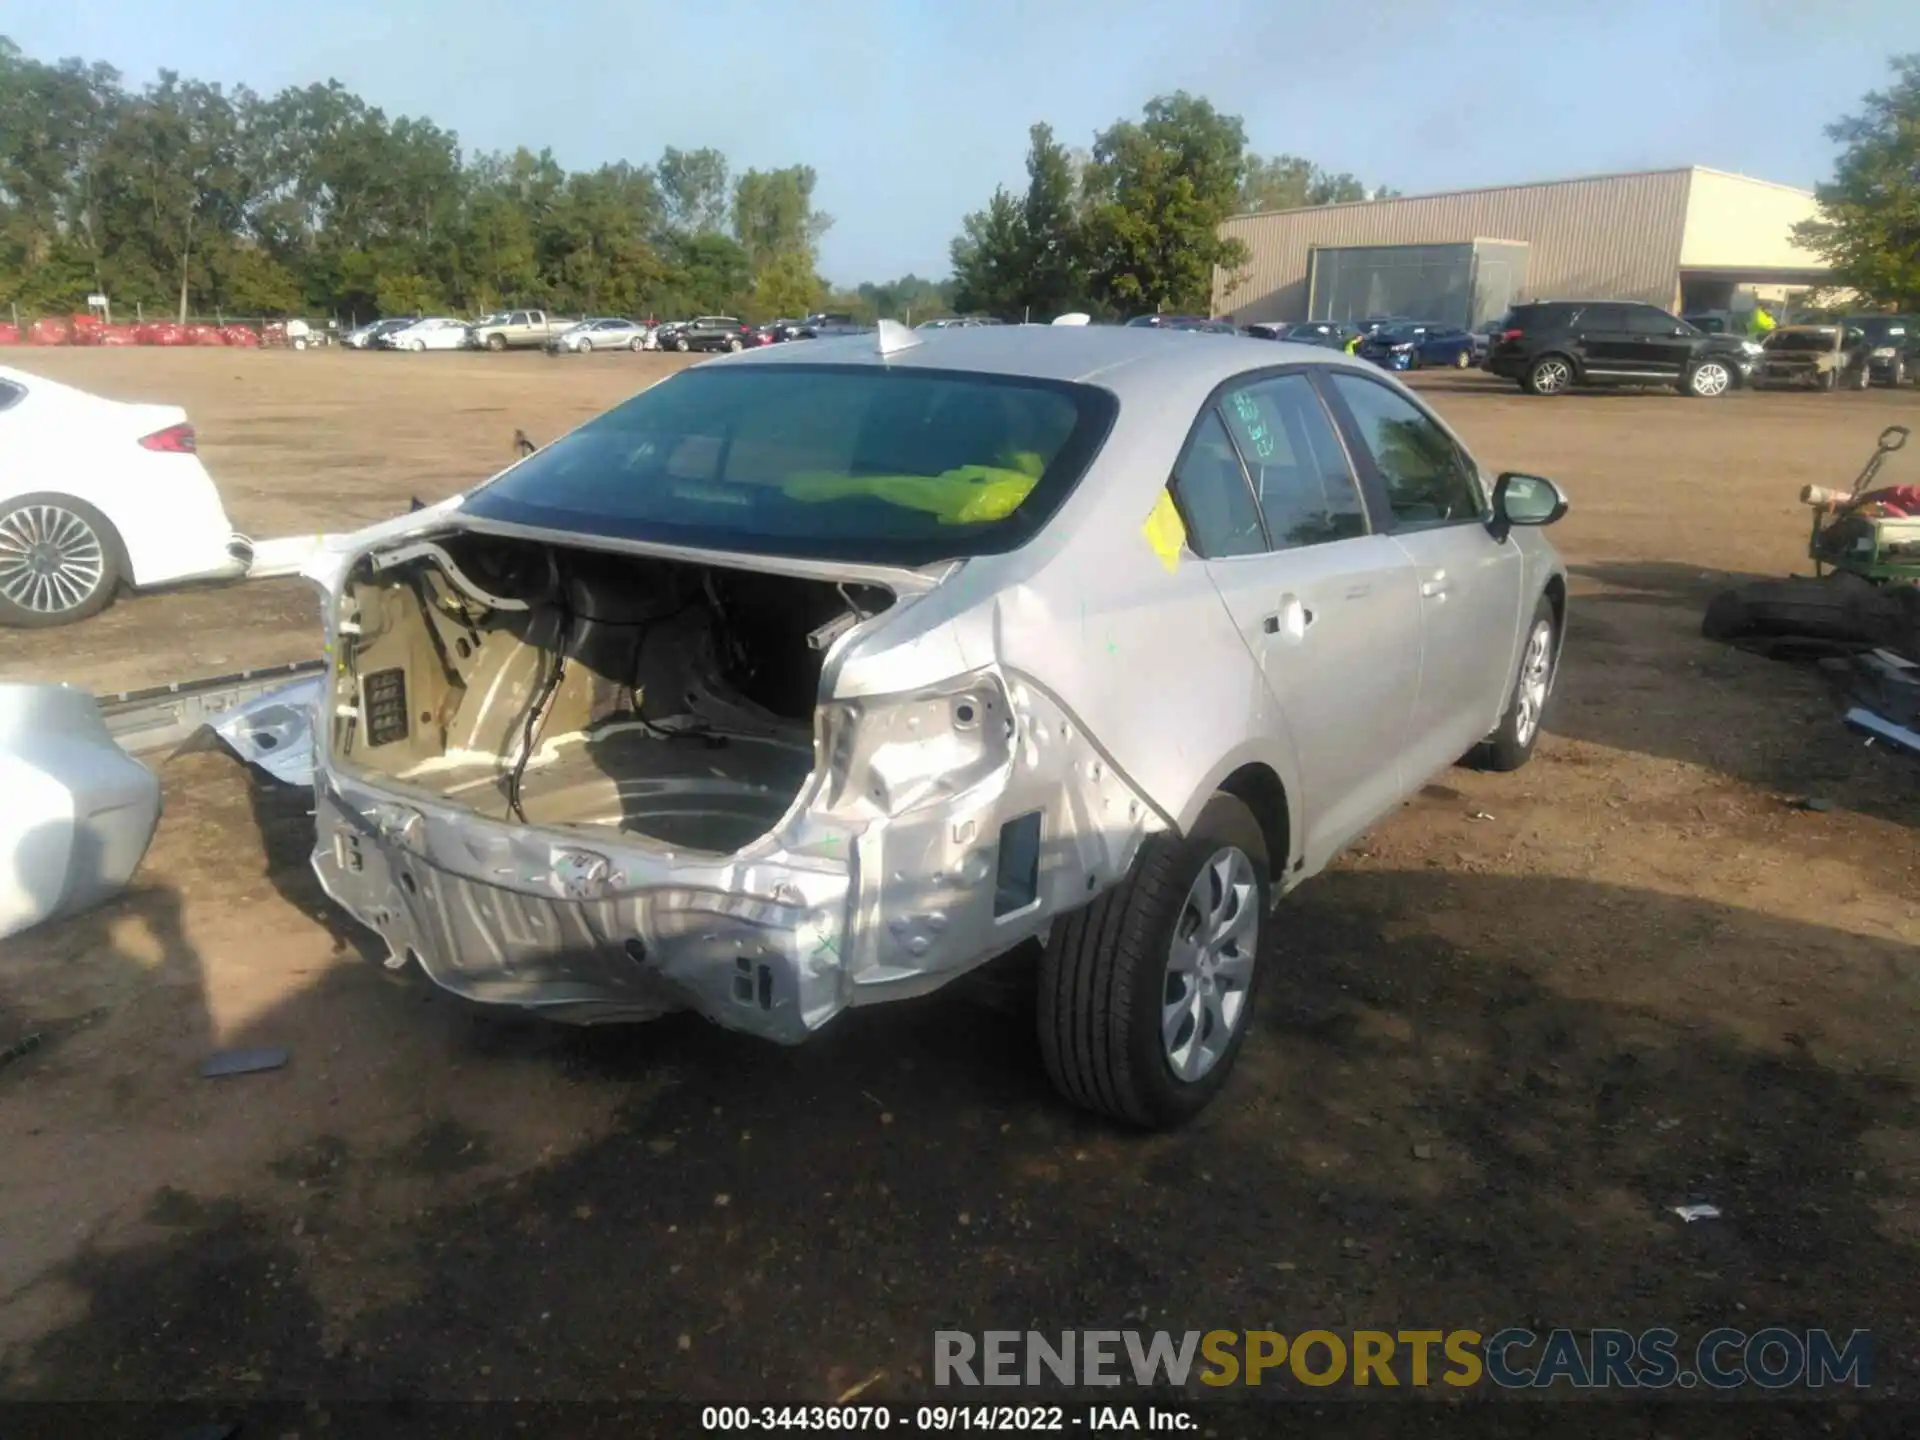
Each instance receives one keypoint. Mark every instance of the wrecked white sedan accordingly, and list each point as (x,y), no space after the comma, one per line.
(816,676)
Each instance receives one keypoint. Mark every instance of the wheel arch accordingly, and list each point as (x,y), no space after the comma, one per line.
(1260,788)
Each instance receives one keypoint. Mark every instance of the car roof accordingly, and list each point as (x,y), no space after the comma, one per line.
(1120,356)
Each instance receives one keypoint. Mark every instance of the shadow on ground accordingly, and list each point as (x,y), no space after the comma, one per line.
(1639,676)
(1453,1132)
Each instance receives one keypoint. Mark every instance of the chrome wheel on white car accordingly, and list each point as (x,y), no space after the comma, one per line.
(57,562)
(1145,993)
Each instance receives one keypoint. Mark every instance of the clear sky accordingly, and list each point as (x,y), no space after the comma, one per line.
(913,110)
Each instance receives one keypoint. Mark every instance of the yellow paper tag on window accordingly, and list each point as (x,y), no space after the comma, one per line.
(1165,533)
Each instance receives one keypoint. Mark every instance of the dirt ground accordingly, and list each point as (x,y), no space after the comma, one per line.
(1498,1041)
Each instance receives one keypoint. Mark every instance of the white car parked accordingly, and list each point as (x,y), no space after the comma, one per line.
(95,493)
(438,332)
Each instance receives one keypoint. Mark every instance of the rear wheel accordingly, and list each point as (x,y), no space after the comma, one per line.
(60,561)
(1549,375)
(1146,993)
(1709,379)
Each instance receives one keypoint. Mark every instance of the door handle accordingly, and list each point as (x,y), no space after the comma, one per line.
(1435,586)
(1359,592)
(1290,620)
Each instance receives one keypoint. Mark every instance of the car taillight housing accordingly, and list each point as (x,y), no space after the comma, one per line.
(174,440)
(1506,335)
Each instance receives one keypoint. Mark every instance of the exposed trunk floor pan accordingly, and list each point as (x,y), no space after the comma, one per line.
(680,790)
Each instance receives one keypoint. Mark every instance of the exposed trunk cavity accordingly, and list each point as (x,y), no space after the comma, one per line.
(572,687)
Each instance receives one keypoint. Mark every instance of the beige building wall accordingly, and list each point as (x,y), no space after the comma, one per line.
(1737,223)
(1618,236)
(1613,235)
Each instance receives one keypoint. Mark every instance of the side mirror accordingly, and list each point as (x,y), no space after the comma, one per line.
(1525,500)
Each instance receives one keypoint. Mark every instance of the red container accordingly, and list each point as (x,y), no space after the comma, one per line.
(241,335)
(9,333)
(49,332)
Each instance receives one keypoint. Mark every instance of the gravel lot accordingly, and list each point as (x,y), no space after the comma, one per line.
(1501,1038)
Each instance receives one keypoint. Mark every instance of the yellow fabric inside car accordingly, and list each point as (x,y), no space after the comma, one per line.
(968,495)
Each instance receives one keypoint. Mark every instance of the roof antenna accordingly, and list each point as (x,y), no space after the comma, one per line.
(891,337)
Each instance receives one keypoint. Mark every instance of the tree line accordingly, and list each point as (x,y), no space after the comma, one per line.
(184,195)
(1131,224)
(1869,224)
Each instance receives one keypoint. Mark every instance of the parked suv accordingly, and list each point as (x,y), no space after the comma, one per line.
(1894,356)
(1551,346)
(710,332)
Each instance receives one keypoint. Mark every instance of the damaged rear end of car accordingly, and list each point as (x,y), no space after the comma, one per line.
(568,765)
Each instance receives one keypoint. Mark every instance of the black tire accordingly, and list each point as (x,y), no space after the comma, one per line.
(1827,381)
(1462,360)
(1863,376)
(733,342)
(111,558)
(1548,375)
(1104,975)
(1511,744)
(496,342)
(1709,379)
(1897,372)
(680,344)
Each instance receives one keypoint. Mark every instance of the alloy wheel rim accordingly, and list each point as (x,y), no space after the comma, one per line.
(1536,677)
(1710,379)
(51,560)
(1551,376)
(1216,935)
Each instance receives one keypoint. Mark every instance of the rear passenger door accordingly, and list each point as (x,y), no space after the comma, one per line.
(1328,607)
(1467,582)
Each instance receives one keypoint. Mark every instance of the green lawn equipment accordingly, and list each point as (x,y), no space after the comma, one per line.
(1862,531)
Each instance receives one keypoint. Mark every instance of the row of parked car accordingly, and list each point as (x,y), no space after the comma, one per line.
(1551,346)
(564,335)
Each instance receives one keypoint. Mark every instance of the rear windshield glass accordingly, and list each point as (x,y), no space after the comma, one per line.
(1880,329)
(836,462)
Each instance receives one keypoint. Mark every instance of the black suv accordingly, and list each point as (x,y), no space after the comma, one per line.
(1893,357)
(1550,346)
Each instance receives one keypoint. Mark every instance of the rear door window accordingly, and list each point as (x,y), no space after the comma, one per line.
(1299,468)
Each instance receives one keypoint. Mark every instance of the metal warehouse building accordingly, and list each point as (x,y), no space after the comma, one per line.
(1687,240)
